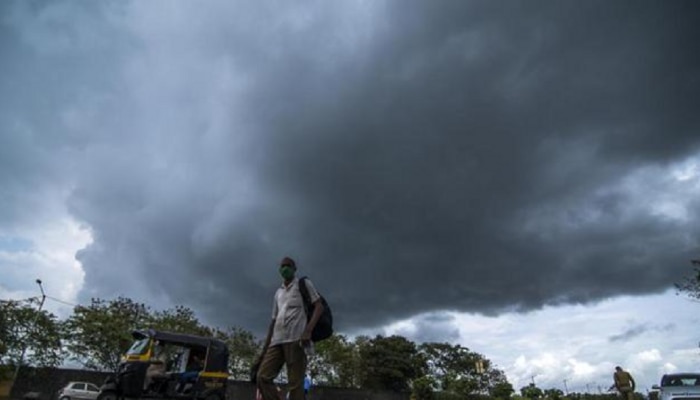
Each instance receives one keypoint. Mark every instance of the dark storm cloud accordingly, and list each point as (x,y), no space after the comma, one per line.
(640,330)
(50,67)
(412,156)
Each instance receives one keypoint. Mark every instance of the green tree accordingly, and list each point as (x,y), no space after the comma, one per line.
(690,285)
(97,335)
(493,377)
(180,319)
(502,390)
(424,388)
(243,349)
(336,362)
(461,371)
(29,334)
(390,363)
(531,391)
(553,394)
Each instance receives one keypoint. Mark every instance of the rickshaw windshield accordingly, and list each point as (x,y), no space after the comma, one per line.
(138,348)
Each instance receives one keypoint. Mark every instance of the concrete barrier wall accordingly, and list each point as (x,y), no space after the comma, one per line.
(47,381)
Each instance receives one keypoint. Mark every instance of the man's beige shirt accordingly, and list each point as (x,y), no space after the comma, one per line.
(288,312)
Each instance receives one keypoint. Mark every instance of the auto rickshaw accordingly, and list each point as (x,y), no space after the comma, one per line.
(188,366)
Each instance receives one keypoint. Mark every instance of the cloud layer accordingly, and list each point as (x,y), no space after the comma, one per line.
(411,156)
(651,336)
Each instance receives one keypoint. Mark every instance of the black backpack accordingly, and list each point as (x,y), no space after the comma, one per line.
(324,326)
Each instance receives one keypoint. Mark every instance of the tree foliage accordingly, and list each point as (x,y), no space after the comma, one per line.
(502,390)
(531,391)
(29,334)
(97,335)
(424,388)
(461,371)
(554,394)
(180,319)
(337,363)
(243,349)
(390,363)
(690,285)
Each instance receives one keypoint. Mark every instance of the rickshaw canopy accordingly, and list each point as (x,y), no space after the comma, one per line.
(216,350)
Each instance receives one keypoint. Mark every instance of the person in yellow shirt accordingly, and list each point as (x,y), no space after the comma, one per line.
(624,383)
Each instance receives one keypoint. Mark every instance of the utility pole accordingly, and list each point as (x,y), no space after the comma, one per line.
(566,389)
(24,348)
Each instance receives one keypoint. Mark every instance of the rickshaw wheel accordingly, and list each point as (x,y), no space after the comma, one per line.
(107,396)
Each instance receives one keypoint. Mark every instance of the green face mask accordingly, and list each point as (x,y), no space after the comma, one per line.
(287,272)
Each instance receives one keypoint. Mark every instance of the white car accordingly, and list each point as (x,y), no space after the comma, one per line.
(683,386)
(79,391)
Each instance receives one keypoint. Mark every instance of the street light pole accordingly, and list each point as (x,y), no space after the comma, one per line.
(24,348)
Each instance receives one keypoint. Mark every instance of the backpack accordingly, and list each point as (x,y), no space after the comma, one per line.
(324,325)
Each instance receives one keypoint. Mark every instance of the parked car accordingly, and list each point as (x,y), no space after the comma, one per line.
(679,386)
(79,391)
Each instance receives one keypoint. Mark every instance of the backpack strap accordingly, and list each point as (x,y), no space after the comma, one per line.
(305,294)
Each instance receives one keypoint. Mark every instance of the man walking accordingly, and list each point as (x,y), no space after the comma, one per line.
(624,383)
(289,335)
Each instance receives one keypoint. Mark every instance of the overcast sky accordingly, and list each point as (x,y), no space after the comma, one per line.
(522,178)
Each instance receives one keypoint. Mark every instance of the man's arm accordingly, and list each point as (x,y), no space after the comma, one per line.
(271,328)
(266,344)
(632,381)
(318,310)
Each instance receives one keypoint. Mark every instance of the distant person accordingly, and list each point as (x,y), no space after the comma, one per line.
(624,383)
(289,335)
(307,386)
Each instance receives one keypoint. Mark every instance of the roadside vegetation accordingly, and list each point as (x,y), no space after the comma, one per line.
(94,336)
